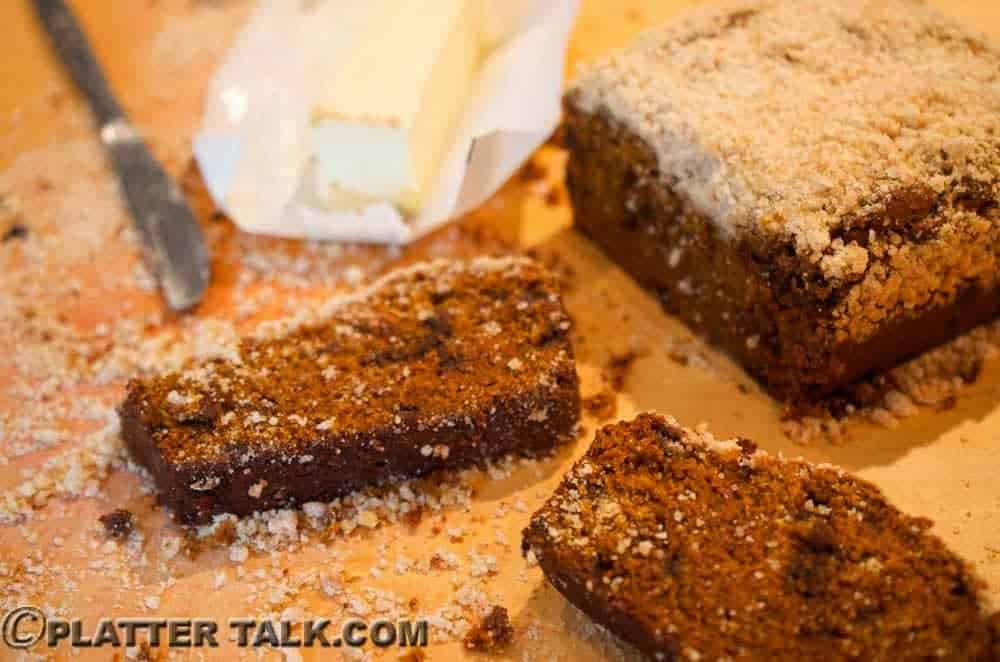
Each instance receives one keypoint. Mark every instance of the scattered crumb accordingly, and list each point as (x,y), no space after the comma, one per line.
(616,370)
(145,654)
(15,231)
(119,523)
(602,405)
(492,634)
(687,351)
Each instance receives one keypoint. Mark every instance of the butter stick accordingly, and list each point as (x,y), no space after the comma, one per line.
(381,128)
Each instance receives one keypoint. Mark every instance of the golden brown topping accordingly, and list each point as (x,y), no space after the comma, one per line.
(412,350)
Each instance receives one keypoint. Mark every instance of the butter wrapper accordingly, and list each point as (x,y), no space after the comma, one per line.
(254,147)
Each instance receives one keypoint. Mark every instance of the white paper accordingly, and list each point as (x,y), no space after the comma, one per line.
(254,147)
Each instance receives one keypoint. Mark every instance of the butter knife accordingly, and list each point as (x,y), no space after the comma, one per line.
(172,241)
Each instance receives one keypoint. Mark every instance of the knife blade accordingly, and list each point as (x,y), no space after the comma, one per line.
(172,241)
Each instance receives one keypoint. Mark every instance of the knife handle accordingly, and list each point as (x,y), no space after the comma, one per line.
(71,44)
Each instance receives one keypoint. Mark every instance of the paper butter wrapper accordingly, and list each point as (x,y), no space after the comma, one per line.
(254,146)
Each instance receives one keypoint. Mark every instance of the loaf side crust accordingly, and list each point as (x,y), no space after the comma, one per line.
(803,335)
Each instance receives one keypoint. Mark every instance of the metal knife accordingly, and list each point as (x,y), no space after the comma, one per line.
(172,240)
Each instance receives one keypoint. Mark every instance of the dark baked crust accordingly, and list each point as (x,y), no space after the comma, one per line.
(755,298)
(438,366)
(692,549)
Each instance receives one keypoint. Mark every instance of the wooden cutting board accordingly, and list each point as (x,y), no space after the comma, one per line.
(74,305)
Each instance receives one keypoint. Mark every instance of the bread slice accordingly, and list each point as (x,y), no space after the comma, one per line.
(435,366)
(689,548)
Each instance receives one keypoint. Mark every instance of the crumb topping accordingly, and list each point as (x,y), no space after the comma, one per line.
(799,118)
(418,350)
(721,550)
